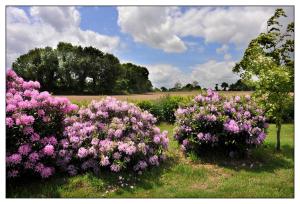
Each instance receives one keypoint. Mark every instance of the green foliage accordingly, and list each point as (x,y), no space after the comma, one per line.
(240,86)
(179,87)
(152,107)
(268,65)
(72,69)
(136,79)
(164,108)
(224,85)
(217,87)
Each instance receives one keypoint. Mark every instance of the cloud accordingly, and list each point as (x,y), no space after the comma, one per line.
(46,26)
(227,56)
(207,74)
(16,15)
(164,27)
(166,75)
(223,49)
(152,26)
(214,72)
(236,25)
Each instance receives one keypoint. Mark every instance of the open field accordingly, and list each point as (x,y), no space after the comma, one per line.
(265,174)
(147,96)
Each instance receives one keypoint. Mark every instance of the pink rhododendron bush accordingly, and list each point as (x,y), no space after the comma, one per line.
(34,127)
(213,122)
(112,135)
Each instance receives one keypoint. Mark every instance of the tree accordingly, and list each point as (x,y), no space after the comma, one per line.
(177,86)
(79,70)
(188,87)
(163,89)
(217,87)
(239,85)
(224,85)
(137,76)
(268,65)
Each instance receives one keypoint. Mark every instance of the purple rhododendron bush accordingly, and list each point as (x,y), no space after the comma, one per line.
(34,127)
(112,135)
(212,122)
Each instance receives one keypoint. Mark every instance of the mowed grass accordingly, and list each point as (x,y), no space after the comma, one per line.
(266,173)
(85,99)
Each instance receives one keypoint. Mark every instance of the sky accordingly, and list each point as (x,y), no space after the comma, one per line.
(176,44)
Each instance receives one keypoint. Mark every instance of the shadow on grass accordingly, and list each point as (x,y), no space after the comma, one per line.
(31,187)
(262,159)
(88,184)
(149,179)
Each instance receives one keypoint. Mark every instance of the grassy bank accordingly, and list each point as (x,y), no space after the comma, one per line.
(265,174)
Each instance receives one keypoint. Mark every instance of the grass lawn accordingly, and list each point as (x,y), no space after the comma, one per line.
(265,174)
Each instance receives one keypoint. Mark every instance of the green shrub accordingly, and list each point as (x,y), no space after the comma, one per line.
(153,108)
(164,108)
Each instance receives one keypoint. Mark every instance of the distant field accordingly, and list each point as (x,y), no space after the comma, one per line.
(148,96)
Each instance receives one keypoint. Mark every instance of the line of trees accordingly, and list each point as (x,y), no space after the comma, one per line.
(239,85)
(70,69)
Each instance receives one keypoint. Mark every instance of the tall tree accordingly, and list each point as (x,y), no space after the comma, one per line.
(72,69)
(224,85)
(217,87)
(268,65)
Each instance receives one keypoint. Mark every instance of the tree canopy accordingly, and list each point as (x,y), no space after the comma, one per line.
(268,65)
(70,69)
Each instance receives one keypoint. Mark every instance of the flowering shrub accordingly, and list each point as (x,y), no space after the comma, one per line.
(114,135)
(212,121)
(34,125)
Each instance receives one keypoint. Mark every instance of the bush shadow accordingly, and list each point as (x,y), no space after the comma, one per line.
(149,179)
(33,187)
(103,183)
(262,159)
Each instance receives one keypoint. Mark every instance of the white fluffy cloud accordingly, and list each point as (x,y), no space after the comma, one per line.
(235,25)
(46,26)
(207,74)
(151,25)
(214,72)
(164,27)
(166,75)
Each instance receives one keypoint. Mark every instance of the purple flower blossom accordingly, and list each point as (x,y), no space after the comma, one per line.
(82,152)
(117,155)
(46,172)
(232,127)
(48,150)
(154,160)
(9,122)
(14,159)
(118,133)
(115,167)
(34,157)
(24,149)
(105,161)
(218,121)
(156,139)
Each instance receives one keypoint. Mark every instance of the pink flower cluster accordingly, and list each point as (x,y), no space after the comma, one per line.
(213,121)
(34,124)
(114,135)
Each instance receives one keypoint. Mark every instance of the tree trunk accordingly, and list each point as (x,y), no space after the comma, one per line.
(278,125)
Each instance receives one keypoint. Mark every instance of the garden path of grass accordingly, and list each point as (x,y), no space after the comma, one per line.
(266,174)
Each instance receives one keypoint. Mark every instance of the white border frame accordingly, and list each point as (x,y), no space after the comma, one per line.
(4,3)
